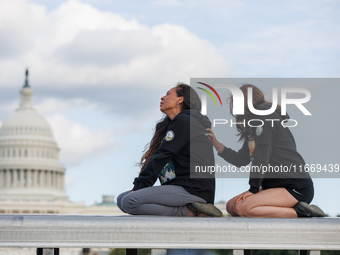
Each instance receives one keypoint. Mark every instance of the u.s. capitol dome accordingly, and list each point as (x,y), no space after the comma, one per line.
(29,156)
(31,175)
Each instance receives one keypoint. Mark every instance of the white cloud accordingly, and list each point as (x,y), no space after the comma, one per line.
(172,3)
(48,106)
(77,143)
(77,45)
(71,181)
(115,47)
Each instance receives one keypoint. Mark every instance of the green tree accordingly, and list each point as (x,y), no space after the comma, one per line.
(117,251)
(330,252)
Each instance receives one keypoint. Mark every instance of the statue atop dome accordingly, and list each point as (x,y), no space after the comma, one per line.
(26,93)
(26,81)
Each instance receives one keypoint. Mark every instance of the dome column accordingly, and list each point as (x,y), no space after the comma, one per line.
(22,177)
(52,179)
(35,178)
(8,178)
(29,178)
(41,178)
(43,184)
(1,178)
(55,185)
(49,178)
(63,181)
(15,177)
(57,180)
(60,181)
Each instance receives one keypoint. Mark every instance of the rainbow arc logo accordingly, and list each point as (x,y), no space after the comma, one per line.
(209,93)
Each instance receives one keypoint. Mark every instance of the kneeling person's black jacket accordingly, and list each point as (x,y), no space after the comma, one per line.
(270,145)
(187,146)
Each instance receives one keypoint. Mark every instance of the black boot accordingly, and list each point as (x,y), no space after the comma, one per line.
(305,210)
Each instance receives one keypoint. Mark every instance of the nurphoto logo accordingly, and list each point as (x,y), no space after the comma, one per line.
(238,103)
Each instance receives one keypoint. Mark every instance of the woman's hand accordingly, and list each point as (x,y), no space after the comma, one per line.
(218,146)
(242,196)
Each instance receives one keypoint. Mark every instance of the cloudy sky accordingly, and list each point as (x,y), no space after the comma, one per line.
(99,67)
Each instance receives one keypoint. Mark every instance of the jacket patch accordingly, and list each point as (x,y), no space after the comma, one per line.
(259,131)
(169,136)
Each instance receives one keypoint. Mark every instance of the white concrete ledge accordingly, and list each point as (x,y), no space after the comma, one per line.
(60,231)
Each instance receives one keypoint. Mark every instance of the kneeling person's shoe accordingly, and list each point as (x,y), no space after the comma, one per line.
(198,209)
(305,210)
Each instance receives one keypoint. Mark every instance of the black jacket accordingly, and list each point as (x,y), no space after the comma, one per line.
(270,145)
(187,145)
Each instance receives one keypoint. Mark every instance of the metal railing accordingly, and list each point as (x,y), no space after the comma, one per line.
(49,232)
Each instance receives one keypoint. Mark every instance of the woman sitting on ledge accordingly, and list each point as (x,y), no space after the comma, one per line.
(168,158)
(266,143)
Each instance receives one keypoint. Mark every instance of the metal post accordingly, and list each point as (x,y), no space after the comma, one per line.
(131,252)
(86,251)
(47,251)
(247,252)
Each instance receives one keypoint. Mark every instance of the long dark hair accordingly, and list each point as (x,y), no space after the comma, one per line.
(258,100)
(191,100)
